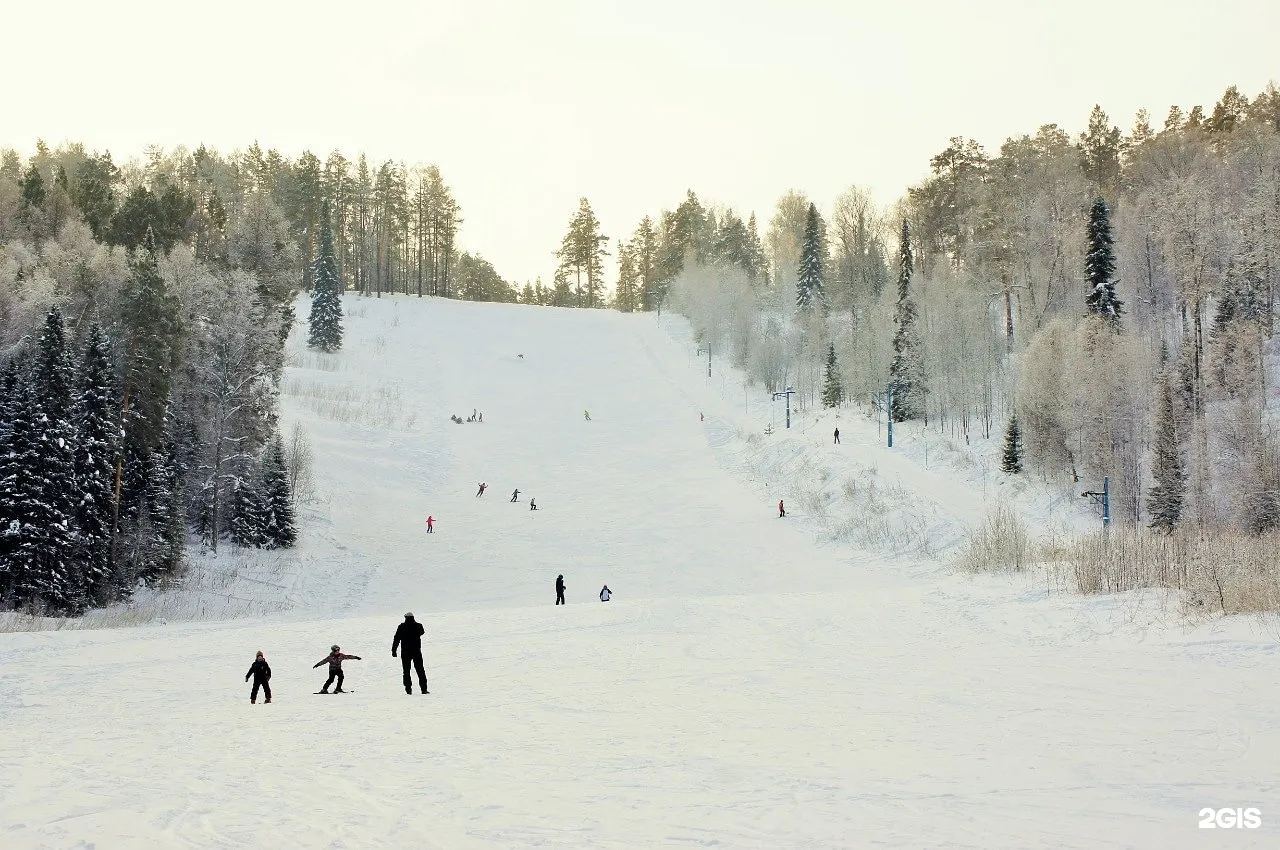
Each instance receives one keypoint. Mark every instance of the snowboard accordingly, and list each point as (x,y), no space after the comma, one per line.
(331,693)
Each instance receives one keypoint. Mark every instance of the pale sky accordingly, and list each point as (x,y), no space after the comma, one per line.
(526,106)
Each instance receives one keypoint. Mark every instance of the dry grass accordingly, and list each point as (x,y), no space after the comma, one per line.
(1001,543)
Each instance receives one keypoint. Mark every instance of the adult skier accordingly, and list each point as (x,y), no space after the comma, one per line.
(605,593)
(514,494)
(782,511)
(560,590)
(408,640)
(533,504)
(480,492)
(586,415)
(431,521)
(334,659)
(260,670)
(837,436)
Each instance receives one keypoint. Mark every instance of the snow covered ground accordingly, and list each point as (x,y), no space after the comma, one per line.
(818,681)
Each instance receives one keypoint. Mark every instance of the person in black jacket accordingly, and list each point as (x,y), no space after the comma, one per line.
(260,670)
(560,590)
(409,640)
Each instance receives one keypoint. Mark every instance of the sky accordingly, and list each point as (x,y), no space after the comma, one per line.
(528,106)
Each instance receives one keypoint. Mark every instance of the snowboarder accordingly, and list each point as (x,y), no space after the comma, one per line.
(837,436)
(334,659)
(782,511)
(481,416)
(605,593)
(260,670)
(586,415)
(514,494)
(431,521)
(560,590)
(408,640)
(533,504)
(480,492)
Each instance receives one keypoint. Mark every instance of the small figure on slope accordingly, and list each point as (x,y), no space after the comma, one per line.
(334,659)
(605,593)
(480,492)
(260,670)
(586,415)
(560,590)
(431,522)
(533,504)
(514,495)
(481,419)
(408,640)
(782,511)
(837,437)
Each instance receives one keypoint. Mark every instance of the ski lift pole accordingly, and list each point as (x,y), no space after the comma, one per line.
(1104,499)
(706,348)
(787,395)
(890,412)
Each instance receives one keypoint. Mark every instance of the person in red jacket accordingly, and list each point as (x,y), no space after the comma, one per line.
(782,511)
(334,659)
(431,521)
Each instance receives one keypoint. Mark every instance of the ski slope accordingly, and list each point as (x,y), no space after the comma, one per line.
(815,681)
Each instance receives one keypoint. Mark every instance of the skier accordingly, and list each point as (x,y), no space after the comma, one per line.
(837,436)
(605,593)
(260,670)
(431,521)
(409,640)
(560,590)
(586,415)
(701,418)
(533,504)
(334,659)
(480,492)
(481,419)
(781,510)
(514,494)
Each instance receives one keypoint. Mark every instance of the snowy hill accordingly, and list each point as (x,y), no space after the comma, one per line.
(814,681)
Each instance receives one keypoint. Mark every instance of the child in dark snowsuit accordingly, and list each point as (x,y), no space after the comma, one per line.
(260,670)
(334,659)
(560,590)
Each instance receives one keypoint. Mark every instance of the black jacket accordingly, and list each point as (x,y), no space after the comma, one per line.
(560,585)
(409,636)
(260,670)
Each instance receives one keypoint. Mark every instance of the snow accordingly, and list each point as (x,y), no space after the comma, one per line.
(824,680)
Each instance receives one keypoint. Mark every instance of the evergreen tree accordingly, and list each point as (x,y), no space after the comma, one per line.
(1011,460)
(1164,501)
(10,402)
(278,528)
(247,514)
(757,263)
(832,387)
(23,533)
(326,298)
(97,439)
(1100,267)
(811,273)
(166,511)
(906,372)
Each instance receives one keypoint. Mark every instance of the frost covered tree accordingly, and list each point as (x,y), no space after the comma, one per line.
(1100,267)
(906,372)
(326,297)
(11,406)
(1164,500)
(1011,459)
(97,440)
(810,274)
(247,517)
(832,388)
(278,528)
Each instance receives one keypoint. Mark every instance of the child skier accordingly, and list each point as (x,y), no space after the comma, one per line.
(260,670)
(781,510)
(480,492)
(560,590)
(533,504)
(605,593)
(431,521)
(334,659)
(514,494)
(586,415)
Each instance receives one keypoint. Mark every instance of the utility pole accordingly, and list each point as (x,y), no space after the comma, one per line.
(1103,499)
(787,395)
(890,406)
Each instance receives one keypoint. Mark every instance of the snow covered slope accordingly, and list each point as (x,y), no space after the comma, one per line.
(755,682)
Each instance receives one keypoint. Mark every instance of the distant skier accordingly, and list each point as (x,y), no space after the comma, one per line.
(586,415)
(533,504)
(560,590)
(480,492)
(408,640)
(260,670)
(431,521)
(334,659)
(837,436)
(701,418)
(481,419)
(782,511)
(514,495)
(605,593)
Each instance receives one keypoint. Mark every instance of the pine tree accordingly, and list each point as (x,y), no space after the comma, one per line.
(811,273)
(906,372)
(1164,501)
(326,298)
(166,511)
(278,529)
(1011,460)
(832,388)
(10,400)
(1100,267)
(22,534)
(97,439)
(247,514)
